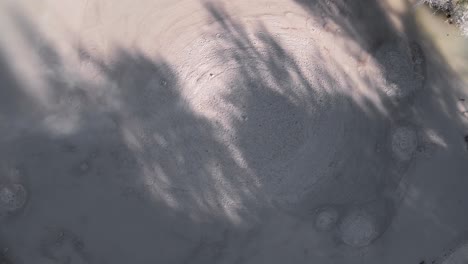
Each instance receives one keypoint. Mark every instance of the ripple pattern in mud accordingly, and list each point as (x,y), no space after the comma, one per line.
(277,99)
(270,107)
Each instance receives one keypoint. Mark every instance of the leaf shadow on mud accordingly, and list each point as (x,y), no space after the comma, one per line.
(126,164)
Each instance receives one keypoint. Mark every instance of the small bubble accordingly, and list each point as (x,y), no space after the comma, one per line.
(84,166)
(69,148)
(15,173)
(326,219)
(12,197)
(358,229)
(78,243)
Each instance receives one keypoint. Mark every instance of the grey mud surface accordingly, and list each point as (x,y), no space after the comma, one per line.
(228,132)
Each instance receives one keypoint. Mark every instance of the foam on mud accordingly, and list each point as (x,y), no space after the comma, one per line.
(358,229)
(404,143)
(12,197)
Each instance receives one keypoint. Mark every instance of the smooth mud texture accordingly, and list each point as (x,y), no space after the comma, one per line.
(227,132)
